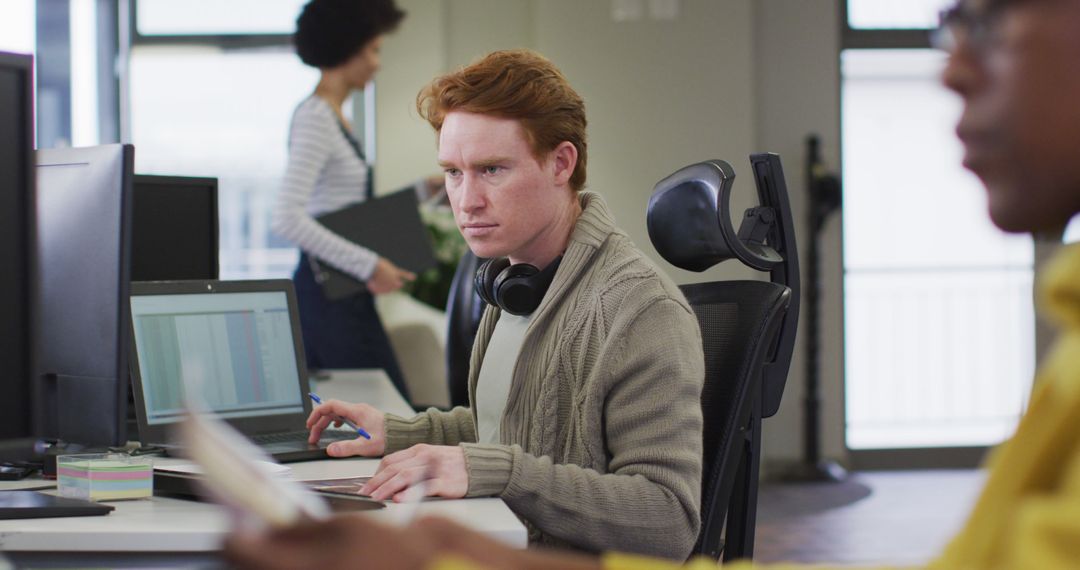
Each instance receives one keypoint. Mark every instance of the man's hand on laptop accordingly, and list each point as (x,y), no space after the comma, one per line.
(441,469)
(363,415)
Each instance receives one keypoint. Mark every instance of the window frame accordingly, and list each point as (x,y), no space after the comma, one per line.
(223,41)
(880,38)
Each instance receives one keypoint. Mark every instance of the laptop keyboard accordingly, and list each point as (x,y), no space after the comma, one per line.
(290,436)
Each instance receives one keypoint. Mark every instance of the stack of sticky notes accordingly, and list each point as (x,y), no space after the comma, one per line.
(105,476)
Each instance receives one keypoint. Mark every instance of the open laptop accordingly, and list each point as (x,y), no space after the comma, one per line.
(238,344)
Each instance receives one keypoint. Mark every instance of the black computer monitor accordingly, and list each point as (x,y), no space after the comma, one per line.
(175,229)
(17,273)
(84,256)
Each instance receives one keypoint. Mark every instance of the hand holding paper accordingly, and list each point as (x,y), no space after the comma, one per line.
(236,474)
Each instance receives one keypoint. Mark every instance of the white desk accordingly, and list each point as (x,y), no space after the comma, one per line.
(369,386)
(163,531)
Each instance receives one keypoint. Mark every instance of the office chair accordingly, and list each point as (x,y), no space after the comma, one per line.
(747,328)
(463,311)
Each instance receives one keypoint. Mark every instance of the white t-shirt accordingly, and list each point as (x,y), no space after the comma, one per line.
(496,374)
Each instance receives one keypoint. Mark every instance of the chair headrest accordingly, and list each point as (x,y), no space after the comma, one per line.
(689,220)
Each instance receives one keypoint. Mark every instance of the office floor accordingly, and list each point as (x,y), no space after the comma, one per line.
(904,519)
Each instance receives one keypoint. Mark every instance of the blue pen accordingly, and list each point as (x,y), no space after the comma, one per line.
(315,398)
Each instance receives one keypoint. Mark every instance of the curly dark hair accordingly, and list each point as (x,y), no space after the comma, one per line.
(329,32)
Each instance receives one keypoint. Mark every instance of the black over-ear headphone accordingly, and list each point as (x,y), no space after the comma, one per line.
(516,289)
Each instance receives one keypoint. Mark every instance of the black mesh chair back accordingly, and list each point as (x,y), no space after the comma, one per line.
(748,327)
(463,311)
(740,321)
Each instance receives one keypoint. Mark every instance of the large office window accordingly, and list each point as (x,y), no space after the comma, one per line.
(17,28)
(74,48)
(206,111)
(939,322)
(212,87)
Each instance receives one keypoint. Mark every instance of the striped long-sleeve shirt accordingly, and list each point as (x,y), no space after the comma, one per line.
(324,174)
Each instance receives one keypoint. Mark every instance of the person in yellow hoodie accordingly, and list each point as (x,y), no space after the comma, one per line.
(1016,65)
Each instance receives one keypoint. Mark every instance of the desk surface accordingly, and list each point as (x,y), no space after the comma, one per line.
(163,524)
(368,386)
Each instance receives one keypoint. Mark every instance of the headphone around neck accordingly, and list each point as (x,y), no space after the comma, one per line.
(516,289)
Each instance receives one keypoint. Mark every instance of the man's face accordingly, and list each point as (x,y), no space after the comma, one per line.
(1020,82)
(505,200)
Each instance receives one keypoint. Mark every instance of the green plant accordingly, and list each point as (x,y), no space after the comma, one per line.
(433,286)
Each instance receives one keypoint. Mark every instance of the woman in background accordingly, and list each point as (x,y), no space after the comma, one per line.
(326,172)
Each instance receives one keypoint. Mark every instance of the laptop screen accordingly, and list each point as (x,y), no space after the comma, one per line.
(237,349)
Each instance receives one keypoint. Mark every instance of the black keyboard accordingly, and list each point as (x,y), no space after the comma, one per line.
(280,437)
(289,436)
(336,435)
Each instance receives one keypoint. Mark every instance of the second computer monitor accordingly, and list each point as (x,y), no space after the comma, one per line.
(175,228)
(83,253)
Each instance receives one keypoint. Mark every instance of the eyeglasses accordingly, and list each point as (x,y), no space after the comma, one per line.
(976,28)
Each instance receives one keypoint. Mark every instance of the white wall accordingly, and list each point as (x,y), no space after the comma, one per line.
(724,79)
(659,95)
(477,27)
(798,91)
(411,57)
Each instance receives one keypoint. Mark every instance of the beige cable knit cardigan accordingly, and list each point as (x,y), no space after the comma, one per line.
(601,435)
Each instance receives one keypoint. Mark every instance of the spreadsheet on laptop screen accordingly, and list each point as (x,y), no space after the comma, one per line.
(237,346)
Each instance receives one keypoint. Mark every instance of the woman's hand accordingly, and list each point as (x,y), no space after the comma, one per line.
(343,542)
(363,415)
(388,277)
(351,541)
(433,186)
